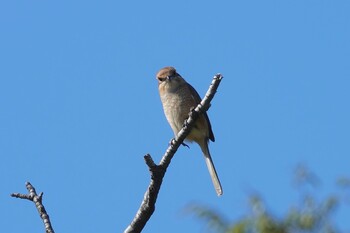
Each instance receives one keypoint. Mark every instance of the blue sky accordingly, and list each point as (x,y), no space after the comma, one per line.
(79,106)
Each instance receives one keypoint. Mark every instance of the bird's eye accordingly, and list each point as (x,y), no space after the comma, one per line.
(161,79)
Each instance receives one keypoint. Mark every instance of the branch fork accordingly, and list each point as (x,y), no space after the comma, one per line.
(37,200)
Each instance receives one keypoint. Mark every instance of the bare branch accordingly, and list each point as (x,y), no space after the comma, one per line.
(158,171)
(37,199)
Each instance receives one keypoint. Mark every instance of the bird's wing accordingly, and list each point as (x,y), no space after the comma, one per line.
(198,99)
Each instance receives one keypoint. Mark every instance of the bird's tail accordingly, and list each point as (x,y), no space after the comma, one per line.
(211,168)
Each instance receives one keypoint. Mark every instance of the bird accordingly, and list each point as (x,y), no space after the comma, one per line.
(178,98)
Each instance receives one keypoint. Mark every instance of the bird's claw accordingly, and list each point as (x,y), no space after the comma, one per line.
(173,141)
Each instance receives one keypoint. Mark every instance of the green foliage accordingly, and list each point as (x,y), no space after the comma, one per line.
(310,216)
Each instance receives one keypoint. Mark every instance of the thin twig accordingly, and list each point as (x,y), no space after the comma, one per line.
(158,171)
(37,199)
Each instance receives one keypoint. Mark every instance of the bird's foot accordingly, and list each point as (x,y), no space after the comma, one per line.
(172,142)
(184,144)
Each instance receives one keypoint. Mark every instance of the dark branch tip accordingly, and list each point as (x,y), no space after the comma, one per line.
(149,161)
(218,76)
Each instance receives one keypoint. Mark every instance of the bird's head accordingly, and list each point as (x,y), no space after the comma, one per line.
(168,78)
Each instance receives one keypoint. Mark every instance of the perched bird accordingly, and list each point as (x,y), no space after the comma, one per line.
(178,98)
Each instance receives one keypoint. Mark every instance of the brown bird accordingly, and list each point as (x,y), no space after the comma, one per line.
(178,97)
